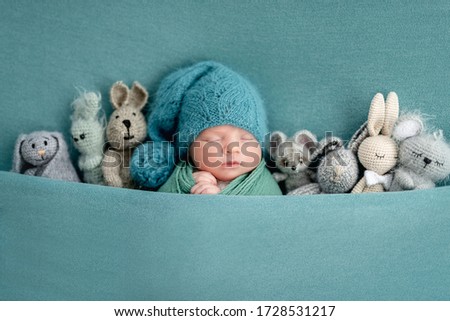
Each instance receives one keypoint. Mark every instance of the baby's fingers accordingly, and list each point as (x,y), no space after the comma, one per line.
(203,176)
(204,188)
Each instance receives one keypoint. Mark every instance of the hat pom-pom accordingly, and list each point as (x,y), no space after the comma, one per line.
(152,163)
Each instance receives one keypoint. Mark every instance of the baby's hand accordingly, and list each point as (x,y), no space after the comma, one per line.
(206,183)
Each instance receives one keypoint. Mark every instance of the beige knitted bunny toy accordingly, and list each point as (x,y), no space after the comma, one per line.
(126,129)
(378,153)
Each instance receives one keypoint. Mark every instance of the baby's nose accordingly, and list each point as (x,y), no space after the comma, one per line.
(233,147)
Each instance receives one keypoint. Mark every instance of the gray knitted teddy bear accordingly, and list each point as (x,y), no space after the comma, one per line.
(43,154)
(88,134)
(337,169)
(292,157)
(424,158)
(126,129)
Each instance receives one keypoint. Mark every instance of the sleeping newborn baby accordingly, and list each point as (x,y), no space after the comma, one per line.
(207,128)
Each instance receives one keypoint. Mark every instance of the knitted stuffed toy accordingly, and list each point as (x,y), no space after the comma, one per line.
(292,157)
(126,129)
(88,134)
(337,169)
(424,158)
(43,154)
(189,101)
(378,152)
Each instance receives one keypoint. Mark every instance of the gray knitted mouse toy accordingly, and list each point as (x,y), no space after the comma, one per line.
(43,154)
(292,157)
(424,158)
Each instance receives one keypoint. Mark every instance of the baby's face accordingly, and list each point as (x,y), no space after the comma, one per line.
(225,151)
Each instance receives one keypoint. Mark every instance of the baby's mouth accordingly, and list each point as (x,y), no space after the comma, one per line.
(231,164)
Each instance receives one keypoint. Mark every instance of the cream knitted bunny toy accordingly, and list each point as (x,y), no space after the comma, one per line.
(88,134)
(292,157)
(126,129)
(424,158)
(378,152)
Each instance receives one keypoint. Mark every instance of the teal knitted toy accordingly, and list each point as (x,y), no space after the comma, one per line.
(187,102)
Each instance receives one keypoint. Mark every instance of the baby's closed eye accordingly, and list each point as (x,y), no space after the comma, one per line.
(210,139)
(247,137)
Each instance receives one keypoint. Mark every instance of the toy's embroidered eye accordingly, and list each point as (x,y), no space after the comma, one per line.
(117,116)
(45,142)
(439,164)
(285,163)
(417,155)
(134,114)
(82,136)
(75,139)
(33,146)
(380,156)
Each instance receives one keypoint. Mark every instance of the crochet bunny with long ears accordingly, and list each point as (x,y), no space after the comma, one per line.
(88,134)
(44,154)
(424,158)
(126,129)
(378,152)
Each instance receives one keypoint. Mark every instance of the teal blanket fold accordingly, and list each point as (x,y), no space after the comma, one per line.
(257,182)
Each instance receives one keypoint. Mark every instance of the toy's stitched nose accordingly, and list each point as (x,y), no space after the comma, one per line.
(427,160)
(41,152)
(127,123)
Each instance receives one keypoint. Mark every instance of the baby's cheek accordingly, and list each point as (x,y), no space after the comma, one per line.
(251,155)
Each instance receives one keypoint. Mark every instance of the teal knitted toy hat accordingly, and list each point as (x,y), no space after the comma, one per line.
(187,102)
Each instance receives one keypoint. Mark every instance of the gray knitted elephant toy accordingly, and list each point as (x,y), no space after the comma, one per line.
(88,134)
(424,158)
(126,129)
(292,157)
(337,169)
(43,154)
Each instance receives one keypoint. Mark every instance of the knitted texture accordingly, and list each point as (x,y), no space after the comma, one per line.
(88,136)
(187,102)
(43,154)
(378,152)
(257,182)
(336,166)
(424,158)
(338,169)
(292,157)
(126,129)
(308,189)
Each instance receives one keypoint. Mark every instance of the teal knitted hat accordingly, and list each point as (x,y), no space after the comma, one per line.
(187,102)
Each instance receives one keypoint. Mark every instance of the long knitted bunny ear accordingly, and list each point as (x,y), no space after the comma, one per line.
(18,161)
(377,114)
(358,137)
(138,96)
(391,116)
(118,94)
(153,162)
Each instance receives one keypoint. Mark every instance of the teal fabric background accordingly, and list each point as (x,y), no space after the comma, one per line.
(317,65)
